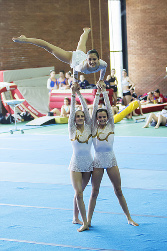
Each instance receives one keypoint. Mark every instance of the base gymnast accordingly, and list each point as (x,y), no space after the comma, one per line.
(103,138)
(81,164)
(78,60)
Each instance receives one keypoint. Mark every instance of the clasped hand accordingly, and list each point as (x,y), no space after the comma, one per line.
(101,86)
(75,87)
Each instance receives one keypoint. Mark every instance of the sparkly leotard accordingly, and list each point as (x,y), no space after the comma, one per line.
(103,139)
(82,160)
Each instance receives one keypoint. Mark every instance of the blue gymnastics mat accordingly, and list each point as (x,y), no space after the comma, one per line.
(36,205)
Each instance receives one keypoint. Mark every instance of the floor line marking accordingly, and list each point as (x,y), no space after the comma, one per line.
(56,245)
(66,209)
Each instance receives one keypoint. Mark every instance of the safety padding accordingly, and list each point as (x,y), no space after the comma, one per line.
(13,75)
(151,108)
(57,97)
(31,85)
(124,112)
(61,120)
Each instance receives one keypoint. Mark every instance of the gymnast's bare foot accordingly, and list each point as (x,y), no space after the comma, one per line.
(77,221)
(131,222)
(89,223)
(156,127)
(87,29)
(21,39)
(146,126)
(83,228)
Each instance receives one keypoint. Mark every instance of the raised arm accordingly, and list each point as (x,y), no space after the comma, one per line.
(71,121)
(108,107)
(95,108)
(85,108)
(103,66)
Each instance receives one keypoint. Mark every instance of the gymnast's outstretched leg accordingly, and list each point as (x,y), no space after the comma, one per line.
(62,55)
(114,176)
(83,39)
(97,175)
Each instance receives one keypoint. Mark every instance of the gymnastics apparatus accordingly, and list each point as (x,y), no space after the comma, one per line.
(125,111)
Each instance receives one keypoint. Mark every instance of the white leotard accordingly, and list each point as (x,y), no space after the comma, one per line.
(79,64)
(82,160)
(103,139)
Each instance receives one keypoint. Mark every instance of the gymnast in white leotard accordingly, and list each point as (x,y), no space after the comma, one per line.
(78,60)
(103,138)
(81,163)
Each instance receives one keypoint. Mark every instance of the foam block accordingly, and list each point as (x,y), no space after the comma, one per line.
(61,120)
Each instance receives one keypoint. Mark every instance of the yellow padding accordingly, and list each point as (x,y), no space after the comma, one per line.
(124,112)
(61,120)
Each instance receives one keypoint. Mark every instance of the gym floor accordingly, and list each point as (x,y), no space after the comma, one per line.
(36,206)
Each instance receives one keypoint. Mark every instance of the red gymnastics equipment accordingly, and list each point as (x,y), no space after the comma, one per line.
(8,88)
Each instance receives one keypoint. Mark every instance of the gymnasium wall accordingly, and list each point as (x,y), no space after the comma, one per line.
(59,22)
(147,44)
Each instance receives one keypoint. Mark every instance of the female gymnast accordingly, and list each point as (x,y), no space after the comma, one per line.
(112,79)
(103,137)
(81,164)
(126,83)
(65,109)
(78,60)
(52,81)
(62,81)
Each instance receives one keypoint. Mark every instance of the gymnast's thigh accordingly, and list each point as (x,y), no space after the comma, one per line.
(114,176)
(97,175)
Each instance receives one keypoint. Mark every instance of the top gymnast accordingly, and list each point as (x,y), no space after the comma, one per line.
(78,60)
